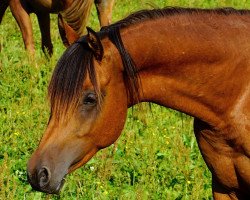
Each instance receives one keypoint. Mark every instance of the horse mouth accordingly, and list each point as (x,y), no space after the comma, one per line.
(56,190)
(46,188)
(59,187)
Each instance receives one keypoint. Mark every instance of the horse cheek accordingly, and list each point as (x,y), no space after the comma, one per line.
(112,117)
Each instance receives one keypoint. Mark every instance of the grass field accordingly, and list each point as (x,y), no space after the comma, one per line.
(156,156)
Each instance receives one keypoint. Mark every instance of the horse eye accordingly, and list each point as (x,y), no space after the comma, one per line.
(90,99)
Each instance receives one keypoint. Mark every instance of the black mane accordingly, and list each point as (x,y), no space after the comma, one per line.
(144,15)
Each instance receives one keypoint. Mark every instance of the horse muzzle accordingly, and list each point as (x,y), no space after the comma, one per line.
(41,180)
(44,175)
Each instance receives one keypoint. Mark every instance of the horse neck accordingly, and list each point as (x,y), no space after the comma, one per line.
(184,66)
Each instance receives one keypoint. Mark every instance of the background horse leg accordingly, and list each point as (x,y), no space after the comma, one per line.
(20,12)
(44,24)
(104,11)
(3,7)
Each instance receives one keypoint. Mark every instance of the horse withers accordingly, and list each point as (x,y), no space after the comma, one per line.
(192,60)
(73,14)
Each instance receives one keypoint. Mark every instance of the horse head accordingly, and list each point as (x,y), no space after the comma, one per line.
(88,111)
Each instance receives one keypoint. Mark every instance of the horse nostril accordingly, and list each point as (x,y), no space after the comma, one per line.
(43,177)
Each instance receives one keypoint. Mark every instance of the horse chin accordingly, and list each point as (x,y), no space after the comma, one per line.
(76,165)
(80,162)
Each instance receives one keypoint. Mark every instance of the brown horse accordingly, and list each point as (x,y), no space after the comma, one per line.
(73,13)
(191,60)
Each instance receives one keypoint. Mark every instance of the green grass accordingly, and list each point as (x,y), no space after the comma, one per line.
(156,156)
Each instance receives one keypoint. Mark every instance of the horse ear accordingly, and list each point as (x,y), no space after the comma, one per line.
(67,33)
(95,44)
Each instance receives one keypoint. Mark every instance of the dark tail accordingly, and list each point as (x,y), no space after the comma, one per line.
(3,6)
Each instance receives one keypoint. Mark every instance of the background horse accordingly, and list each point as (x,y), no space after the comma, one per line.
(191,60)
(72,13)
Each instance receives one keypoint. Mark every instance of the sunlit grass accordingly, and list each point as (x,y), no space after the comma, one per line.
(156,156)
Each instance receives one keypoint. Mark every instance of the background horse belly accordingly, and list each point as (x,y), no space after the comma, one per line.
(50,6)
